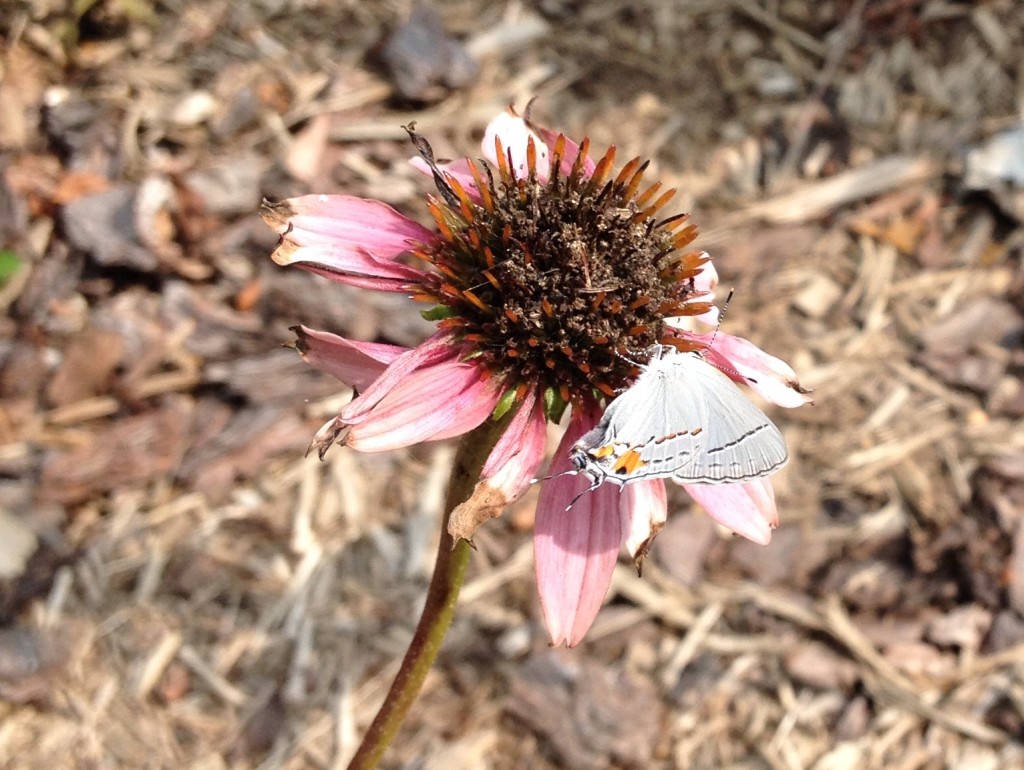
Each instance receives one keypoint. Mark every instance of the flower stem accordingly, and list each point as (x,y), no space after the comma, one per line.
(439,608)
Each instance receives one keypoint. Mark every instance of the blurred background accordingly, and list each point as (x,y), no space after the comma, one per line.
(181,588)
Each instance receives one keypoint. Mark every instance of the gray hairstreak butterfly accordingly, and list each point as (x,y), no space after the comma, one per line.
(681,419)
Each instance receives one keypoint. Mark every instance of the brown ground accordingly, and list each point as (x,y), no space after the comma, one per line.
(181,589)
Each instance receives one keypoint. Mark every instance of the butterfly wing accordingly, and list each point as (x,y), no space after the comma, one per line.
(682,419)
(738,441)
(641,434)
(673,429)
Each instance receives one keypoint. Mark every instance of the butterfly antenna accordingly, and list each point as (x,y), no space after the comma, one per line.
(727,370)
(721,315)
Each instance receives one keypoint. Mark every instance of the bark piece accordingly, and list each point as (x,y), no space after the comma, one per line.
(424,60)
(103,225)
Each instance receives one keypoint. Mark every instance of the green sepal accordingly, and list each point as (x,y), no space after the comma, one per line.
(554,404)
(437,313)
(506,402)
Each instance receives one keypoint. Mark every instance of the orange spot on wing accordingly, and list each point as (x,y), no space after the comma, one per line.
(628,463)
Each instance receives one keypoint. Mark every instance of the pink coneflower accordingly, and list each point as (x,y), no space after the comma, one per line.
(547,274)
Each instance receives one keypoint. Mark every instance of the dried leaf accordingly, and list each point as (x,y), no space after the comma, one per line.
(484,504)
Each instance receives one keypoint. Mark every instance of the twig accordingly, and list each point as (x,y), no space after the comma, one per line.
(775,24)
(815,200)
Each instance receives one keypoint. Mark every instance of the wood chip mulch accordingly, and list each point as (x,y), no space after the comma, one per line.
(181,588)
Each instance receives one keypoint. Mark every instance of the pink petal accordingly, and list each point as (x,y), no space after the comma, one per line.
(515,135)
(575,550)
(746,363)
(432,403)
(429,352)
(644,511)
(515,459)
(707,278)
(747,509)
(346,238)
(569,154)
(508,471)
(346,265)
(353,362)
(707,281)
(360,223)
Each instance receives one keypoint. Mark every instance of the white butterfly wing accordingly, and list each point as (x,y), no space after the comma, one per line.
(738,441)
(672,425)
(682,419)
(642,433)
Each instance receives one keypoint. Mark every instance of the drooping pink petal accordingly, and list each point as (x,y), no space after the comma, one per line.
(514,461)
(346,238)
(355,363)
(509,469)
(432,403)
(515,135)
(575,550)
(644,510)
(747,509)
(746,363)
(359,223)
(431,351)
(347,265)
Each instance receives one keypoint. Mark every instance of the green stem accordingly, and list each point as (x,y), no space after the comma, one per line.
(449,574)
